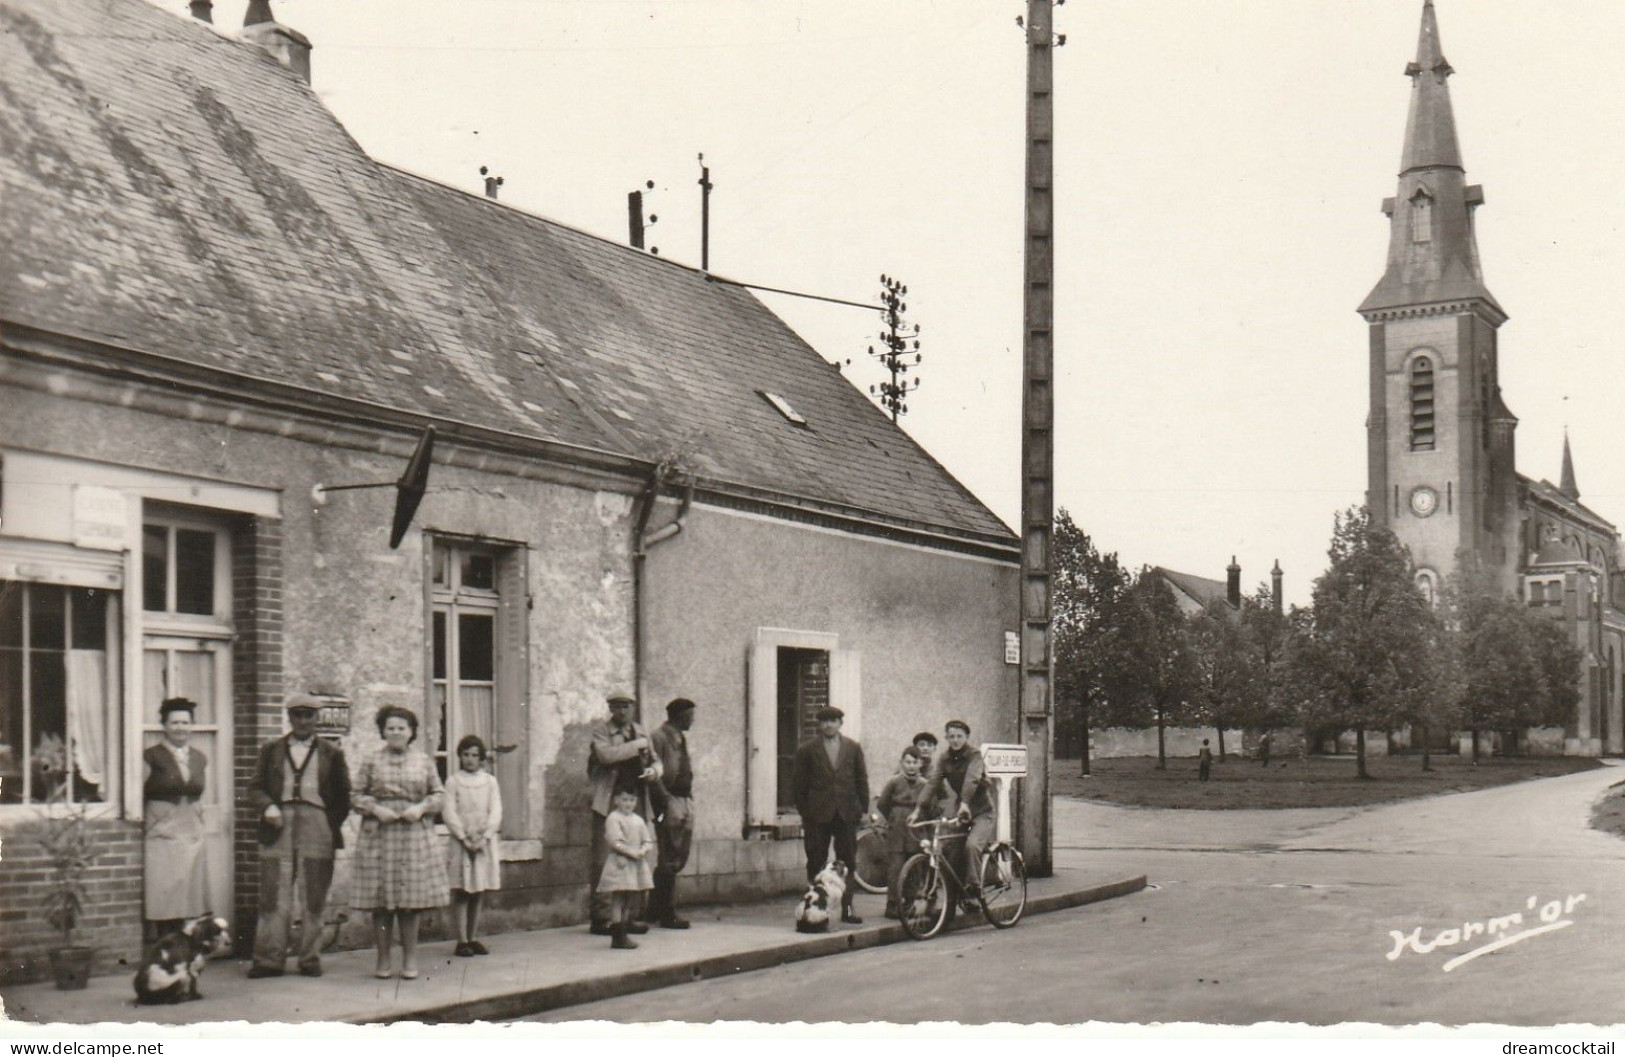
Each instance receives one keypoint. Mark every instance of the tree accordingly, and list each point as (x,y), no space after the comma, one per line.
(1559,660)
(1229,669)
(1088,598)
(1161,675)
(1366,655)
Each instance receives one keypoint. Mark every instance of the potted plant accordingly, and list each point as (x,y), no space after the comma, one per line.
(69,851)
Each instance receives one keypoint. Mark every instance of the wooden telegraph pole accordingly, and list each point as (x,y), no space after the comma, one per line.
(1037,443)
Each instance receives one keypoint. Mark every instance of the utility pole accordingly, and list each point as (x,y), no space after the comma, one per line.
(1038,444)
(897,340)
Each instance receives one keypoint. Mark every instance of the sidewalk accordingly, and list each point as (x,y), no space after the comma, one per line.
(526,972)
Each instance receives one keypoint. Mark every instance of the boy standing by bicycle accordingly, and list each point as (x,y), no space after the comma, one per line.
(898,800)
(957,773)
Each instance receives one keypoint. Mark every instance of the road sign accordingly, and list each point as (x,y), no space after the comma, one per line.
(1005,760)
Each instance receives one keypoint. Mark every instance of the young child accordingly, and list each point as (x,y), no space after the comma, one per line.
(473,815)
(897,802)
(626,868)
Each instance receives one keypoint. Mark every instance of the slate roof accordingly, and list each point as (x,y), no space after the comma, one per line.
(1199,589)
(169,189)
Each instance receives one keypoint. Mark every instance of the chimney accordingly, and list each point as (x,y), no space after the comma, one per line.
(1232,583)
(634,218)
(1275,585)
(289,46)
(202,10)
(492,183)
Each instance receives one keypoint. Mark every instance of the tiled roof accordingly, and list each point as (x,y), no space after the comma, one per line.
(1553,495)
(172,190)
(1199,589)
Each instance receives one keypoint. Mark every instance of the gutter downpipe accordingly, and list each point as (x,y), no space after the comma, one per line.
(643,540)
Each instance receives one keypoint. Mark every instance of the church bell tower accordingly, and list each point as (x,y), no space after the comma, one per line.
(1440,466)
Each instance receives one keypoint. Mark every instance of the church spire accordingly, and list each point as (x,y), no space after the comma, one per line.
(1432,252)
(1569,487)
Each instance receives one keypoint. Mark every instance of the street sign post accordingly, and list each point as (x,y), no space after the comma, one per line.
(1004,764)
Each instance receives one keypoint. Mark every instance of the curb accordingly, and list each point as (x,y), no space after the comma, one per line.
(580,992)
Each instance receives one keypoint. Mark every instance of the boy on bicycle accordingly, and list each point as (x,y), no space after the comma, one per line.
(958,776)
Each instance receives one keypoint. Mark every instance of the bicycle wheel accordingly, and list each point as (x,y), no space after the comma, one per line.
(922,898)
(874,859)
(1004,886)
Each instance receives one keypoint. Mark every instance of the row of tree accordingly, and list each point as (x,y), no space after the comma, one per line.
(1371,652)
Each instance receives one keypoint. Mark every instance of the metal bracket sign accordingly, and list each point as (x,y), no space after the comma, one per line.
(1004,764)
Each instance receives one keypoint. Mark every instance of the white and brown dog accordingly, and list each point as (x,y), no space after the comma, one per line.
(171,969)
(823,901)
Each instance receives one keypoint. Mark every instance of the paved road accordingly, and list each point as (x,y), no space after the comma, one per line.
(1258,916)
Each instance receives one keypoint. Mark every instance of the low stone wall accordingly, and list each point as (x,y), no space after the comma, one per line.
(1177,741)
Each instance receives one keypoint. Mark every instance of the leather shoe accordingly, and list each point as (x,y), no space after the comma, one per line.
(260,972)
(849,918)
(310,970)
(637,928)
(600,928)
(463,951)
(477,947)
(674,922)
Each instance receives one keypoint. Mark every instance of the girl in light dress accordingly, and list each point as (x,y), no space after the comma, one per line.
(626,873)
(473,816)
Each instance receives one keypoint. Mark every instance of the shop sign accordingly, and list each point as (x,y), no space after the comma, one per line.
(100,521)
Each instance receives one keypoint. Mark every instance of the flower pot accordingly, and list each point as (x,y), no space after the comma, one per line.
(71,967)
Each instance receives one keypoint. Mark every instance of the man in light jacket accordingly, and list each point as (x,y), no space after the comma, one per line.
(618,747)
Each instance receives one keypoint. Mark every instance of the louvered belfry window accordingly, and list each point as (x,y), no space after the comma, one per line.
(1422,404)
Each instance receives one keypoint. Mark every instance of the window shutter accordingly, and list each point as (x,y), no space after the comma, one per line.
(846,690)
(513,692)
(761,734)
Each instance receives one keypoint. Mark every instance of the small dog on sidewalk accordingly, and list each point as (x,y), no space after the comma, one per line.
(822,902)
(171,969)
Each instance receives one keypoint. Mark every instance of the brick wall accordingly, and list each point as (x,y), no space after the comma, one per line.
(112,918)
(257,692)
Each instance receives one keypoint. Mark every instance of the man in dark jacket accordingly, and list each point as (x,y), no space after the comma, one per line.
(301,794)
(830,782)
(672,795)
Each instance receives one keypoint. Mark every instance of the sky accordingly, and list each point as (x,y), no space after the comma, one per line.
(1219,171)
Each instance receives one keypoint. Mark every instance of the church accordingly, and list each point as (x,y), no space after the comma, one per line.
(1441,440)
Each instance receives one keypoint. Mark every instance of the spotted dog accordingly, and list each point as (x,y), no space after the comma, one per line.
(171,969)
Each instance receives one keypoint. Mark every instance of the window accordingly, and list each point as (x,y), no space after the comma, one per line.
(1421,218)
(792,675)
(179,564)
(803,690)
(478,673)
(1422,404)
(1428,583)
(55,687)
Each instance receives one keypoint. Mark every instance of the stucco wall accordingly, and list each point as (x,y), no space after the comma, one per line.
(928,627)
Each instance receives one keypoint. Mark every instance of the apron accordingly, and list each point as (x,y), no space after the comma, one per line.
(175,883)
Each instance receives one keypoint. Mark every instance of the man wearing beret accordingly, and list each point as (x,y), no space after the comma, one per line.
(620,753)
(830,783)
(301,793)
(673,802)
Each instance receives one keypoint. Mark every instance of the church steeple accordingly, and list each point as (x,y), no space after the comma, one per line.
(1569,487)
(1432,250)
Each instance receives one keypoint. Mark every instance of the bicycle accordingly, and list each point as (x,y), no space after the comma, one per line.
(872,869)
(929,884)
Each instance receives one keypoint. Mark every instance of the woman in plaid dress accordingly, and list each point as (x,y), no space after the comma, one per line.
(399,868)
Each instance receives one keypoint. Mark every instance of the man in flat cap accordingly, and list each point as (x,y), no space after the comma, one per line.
(831,788)
(301,793)
(672,798)
(620,754)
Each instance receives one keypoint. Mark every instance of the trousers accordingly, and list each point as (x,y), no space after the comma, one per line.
(675,834)
(816,838)
(296,871)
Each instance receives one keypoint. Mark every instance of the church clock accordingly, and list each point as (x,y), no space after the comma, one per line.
(1424,501)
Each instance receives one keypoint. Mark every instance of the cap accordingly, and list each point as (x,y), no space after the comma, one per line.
(679,704)
(303,703)
(830,712)
(619,698)
(175,704)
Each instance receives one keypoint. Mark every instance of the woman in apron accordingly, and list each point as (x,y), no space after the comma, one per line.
(175,884)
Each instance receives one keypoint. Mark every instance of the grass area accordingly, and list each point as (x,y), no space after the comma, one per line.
(1609,814)
(1313,781)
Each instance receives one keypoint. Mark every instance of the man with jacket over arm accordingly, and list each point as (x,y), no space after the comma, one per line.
(620,753)
(672,797)
(830,784)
